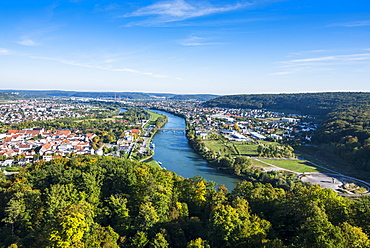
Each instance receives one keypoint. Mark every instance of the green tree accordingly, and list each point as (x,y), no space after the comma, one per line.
(147,217)
(234,226)
(139,240)
(70,226)
(353,236)
(159,241)
(120,217)
(317,231)
(198,243)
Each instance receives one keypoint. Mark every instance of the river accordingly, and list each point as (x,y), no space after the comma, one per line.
(121,110)
(173,150)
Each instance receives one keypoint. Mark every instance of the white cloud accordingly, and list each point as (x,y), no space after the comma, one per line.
(95,66)
(351,24)
(282,73)
(106,8)
(197,44)
(27,42)
(343,58)
(321,63)
(178,10)
(197,41)
(108,61)
(4,51)
(307,52)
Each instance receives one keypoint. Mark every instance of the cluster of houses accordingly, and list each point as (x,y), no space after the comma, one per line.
(241,124)
(29,144)
(36,110)
(234,124)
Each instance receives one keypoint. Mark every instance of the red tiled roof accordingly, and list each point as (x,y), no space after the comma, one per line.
(12,131)
(33,132)
(25,146)
(65,132)
(46,146)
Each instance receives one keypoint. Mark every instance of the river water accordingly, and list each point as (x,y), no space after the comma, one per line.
(121,110)
(173,150)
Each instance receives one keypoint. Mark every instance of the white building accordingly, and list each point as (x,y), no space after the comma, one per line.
(257,135)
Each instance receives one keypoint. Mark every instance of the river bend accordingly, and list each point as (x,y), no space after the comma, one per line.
(173,151)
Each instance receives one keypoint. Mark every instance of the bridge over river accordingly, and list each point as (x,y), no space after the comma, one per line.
(173,151)
(172,129)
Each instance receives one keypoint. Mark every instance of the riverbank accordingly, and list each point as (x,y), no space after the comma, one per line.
(173,150)
(149,129)
(227,166)
(238,168)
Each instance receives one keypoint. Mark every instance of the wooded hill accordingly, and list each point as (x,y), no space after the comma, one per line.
(111,95)
(302,103)
(9,96)
(345,118)
(106,202)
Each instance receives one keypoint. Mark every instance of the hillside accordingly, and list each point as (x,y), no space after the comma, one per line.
(303,103)
(345,118)
(9,96)
(112,95)
(110,202)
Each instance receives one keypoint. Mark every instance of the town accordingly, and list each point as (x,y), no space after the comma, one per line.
(240,124)
(35,110)
(19,147)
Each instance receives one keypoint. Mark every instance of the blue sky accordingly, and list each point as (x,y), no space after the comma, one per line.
(186,46)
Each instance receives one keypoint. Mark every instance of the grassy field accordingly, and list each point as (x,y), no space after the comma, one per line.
(153,163)
(269,143)
(221,147)
(12,169)
(217,146)
(94,119)
(271,119)
(325,156)
(258,164)
(246,149)
(295,165)
(250,149)
(153,119)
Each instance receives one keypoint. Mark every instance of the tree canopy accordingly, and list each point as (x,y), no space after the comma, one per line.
(96,201)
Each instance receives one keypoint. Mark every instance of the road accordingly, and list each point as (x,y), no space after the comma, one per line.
(334,180)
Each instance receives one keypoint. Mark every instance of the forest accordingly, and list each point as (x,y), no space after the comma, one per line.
(94,201)
(316,104)
(344,116)
(107,95)
(8,96)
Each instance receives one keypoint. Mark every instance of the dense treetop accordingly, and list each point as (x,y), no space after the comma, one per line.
(110,202)
(303,103)
(8,96)
(345,118)
(111,95)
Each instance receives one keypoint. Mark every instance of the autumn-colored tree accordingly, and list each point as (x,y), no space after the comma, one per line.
(198,243)
(70,226)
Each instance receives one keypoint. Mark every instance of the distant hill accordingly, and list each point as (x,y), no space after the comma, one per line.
(195,97)
(304,103)
(345,116)
(9,96)
(112,95)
